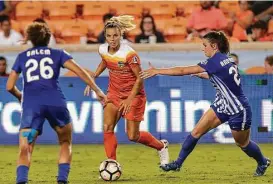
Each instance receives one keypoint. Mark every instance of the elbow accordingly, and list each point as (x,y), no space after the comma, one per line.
(9,88)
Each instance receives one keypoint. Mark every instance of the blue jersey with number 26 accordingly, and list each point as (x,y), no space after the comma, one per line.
(224,75)
(40,67)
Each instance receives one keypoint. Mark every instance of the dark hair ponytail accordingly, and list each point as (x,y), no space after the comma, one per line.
(219,38)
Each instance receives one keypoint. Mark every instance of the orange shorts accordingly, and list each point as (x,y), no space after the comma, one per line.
(137,110)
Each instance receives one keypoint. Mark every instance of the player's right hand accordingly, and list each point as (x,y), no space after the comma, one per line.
(102,97)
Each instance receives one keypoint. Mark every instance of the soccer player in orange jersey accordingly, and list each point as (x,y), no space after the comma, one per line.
(126,95)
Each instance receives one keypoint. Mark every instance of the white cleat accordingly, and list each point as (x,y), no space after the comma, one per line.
(164,153)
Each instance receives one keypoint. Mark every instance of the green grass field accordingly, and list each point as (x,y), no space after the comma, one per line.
(208,164)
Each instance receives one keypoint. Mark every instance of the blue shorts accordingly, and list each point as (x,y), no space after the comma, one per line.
(35,117)
(239,121)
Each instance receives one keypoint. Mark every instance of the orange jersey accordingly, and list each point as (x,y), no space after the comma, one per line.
(120,64)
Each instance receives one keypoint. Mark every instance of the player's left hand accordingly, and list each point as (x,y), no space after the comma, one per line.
(152,71)
(125,106)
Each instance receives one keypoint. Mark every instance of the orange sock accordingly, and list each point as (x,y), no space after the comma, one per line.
(110,145)
(147,139)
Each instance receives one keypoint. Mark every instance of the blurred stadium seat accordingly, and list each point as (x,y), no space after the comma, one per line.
(24,24)
(95,10)
(57,25)
(60,10)
(28,10)
(73,30)
(189,6)
(161,10)
(255,70)
(161,24)
(127,8)
(175,30)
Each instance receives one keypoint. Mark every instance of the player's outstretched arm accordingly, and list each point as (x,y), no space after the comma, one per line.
(11,87)
(203,75)
(74,67)
(174,71)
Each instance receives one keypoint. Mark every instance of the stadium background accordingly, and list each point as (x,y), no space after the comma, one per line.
(174,103)
(180,112)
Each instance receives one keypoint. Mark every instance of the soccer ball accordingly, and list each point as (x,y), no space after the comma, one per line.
(110,170)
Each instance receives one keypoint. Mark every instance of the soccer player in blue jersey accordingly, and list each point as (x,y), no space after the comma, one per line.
(230,105)
(42,98)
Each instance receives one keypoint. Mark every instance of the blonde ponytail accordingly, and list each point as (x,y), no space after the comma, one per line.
(123,22)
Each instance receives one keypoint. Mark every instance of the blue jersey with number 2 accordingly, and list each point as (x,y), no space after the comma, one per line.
(40,67)
(224,75)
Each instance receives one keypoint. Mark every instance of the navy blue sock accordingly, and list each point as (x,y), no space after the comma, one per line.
(253,150)
(22,174)
(186,149)
(63,171)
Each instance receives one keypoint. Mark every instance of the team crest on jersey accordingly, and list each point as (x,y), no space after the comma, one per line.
(121,64)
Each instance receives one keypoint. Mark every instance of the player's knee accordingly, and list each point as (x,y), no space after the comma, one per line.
(108,128)
(133,137)
(196,133)
(65,140)
(241,144)
(24,149)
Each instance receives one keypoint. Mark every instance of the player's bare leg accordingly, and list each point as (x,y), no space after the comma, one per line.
(65,141)
(242,139)
(207,122)
(111,116)
(27,140)
(148,139)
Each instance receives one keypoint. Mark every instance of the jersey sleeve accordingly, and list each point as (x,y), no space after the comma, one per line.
(16,66)
(133,59)
(208,65)
(65,56)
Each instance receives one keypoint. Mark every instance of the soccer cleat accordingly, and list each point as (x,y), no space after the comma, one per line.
(262,168)
(173,166)
(164,153)
(62,182)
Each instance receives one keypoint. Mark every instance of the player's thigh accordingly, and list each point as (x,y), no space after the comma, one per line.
(207,122)
(57,116)
(241,137)
(136,112)
(64,133)
(111,115)
(59,120)
(132,127)
(33,117)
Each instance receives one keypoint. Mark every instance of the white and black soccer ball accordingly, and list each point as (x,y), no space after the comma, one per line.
(110,170)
